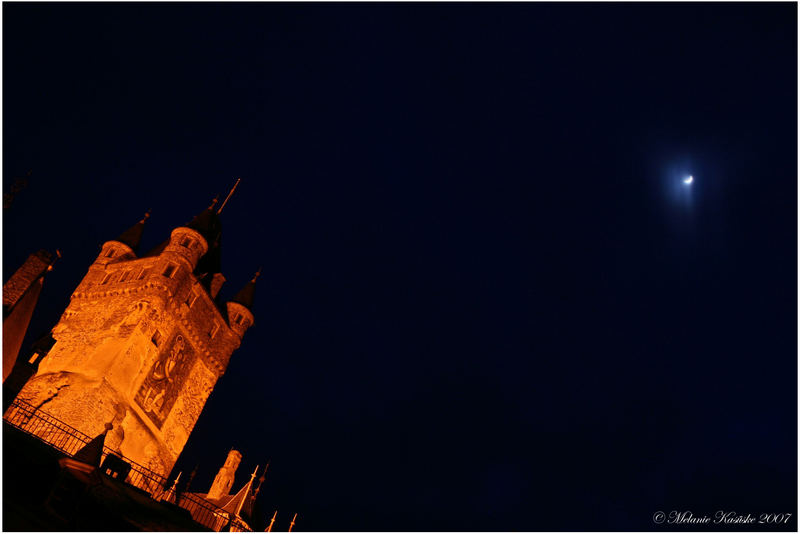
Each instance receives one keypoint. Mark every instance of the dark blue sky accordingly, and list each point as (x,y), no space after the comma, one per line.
(487,303)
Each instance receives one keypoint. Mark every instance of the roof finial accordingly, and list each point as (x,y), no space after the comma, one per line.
(264,474)
(171,494)
(269,528)
(245,494)
(146,216)
(261,480)
(214,202)
(253,476)
(229,195)
(292,524)
(255,276)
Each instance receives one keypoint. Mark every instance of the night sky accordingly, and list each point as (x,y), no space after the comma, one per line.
(488,302)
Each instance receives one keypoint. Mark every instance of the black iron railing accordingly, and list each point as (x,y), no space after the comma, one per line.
(68,440)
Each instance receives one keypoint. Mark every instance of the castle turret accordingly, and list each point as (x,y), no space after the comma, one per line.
(142,344)
(125,246)
(240,315)
(223,482)
(209,268)
(207,223)
(186,247)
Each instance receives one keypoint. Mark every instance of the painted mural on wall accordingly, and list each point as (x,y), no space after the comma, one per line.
(163,383)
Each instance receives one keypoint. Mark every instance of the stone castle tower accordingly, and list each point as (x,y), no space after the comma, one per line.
(223,482)
(143,342)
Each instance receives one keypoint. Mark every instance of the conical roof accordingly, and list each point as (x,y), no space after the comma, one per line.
(208,224)
(133,235)
(241,504)
(211,262)
(247,294)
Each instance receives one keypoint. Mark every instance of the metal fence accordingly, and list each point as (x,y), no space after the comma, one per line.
(68,440)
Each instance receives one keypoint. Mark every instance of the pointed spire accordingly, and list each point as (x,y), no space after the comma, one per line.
(291,526)
(92,452)
(229,195)
(207,223)
(241,504)
(133,235)
(247,294)
(249,497)
(171,492)
(209,226)
(272,522)
(261,480)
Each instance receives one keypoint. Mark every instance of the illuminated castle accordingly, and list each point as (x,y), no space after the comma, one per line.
(143,342)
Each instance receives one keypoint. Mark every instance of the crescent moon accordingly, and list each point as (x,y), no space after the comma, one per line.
(688,180)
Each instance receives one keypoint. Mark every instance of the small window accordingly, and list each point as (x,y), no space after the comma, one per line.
(157,338)
(190,300)
(238,318)
(187,242)
(106,279)
(142,274)
(33,358)
(169,271)
(125,276)
(110,253)
(213,331)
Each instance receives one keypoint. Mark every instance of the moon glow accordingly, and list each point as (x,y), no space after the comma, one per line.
(688,180)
